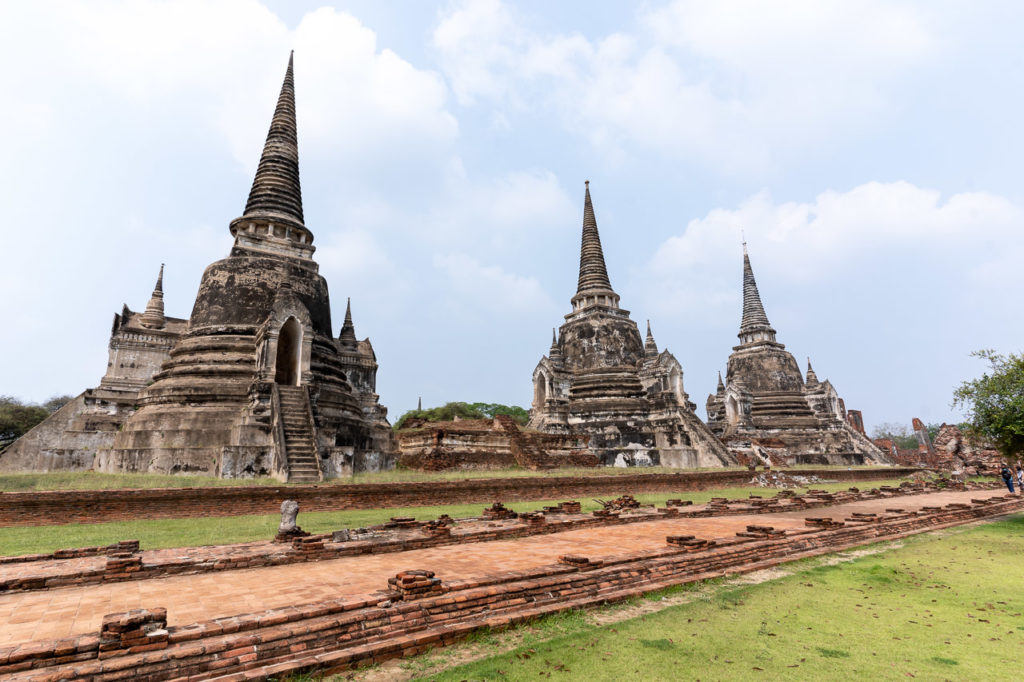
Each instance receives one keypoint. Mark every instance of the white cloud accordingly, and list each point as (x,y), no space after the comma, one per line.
(228,58)
(510,211)
(491,289)
(738,84)
(837,239)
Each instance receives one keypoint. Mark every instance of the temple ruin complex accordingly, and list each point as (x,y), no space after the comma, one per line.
(600,378)
(253,383)
(766,413)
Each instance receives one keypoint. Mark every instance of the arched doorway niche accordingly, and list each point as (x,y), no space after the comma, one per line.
(287,368)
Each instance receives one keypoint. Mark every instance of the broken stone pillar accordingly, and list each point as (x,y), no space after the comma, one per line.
(855,419)
(924,443)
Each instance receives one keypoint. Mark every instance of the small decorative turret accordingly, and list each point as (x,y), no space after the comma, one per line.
(154,318)
(347,337)
(650,347)
(555,352)
(720,391)
(594,288)
(812,378)
(754,326)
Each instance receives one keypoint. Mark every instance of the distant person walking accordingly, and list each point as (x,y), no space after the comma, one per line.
(1007,476)
(1020,478)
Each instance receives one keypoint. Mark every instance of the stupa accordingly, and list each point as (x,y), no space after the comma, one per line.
(766,412)
(601,378)
(254,383)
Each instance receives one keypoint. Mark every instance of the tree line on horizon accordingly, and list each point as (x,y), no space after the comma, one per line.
(449,411)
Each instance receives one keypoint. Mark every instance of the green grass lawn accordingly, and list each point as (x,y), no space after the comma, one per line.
(943,606)
(92,480)
(160,533)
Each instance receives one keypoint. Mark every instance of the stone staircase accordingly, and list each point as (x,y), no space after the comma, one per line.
(299,443)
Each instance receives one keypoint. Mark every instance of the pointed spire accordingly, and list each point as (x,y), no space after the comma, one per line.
(555,352)
(348,330)
(419,404)
(593,287)
(755,325)
(650,347)
(154,318)
(812,378)
(721,387)
(275,191)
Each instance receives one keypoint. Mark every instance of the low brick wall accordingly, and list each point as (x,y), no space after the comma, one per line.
(100,506)
(416,611)
(126,562)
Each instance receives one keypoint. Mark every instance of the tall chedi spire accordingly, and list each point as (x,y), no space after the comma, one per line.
(348,330)
(594,288)
(273,217)
(154,318)
(754,326)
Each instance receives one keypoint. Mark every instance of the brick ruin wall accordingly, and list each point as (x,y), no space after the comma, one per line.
(498,443)
(416,611)
(952,451)
(125,561)
(101,506)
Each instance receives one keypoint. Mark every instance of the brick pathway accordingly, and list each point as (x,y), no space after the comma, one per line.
(71,611)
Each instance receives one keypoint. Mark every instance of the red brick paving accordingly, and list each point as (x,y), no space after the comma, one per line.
(64,612)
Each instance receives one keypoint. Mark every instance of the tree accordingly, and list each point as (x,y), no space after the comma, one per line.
(900,434)
(994,403)
(57,402)
(449,411)
(493,409)
(16,418)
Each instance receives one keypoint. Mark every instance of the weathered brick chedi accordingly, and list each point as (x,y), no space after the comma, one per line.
(254,383)
(601,379)
(765,411)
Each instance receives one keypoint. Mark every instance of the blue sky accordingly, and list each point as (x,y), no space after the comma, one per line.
(869,151)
